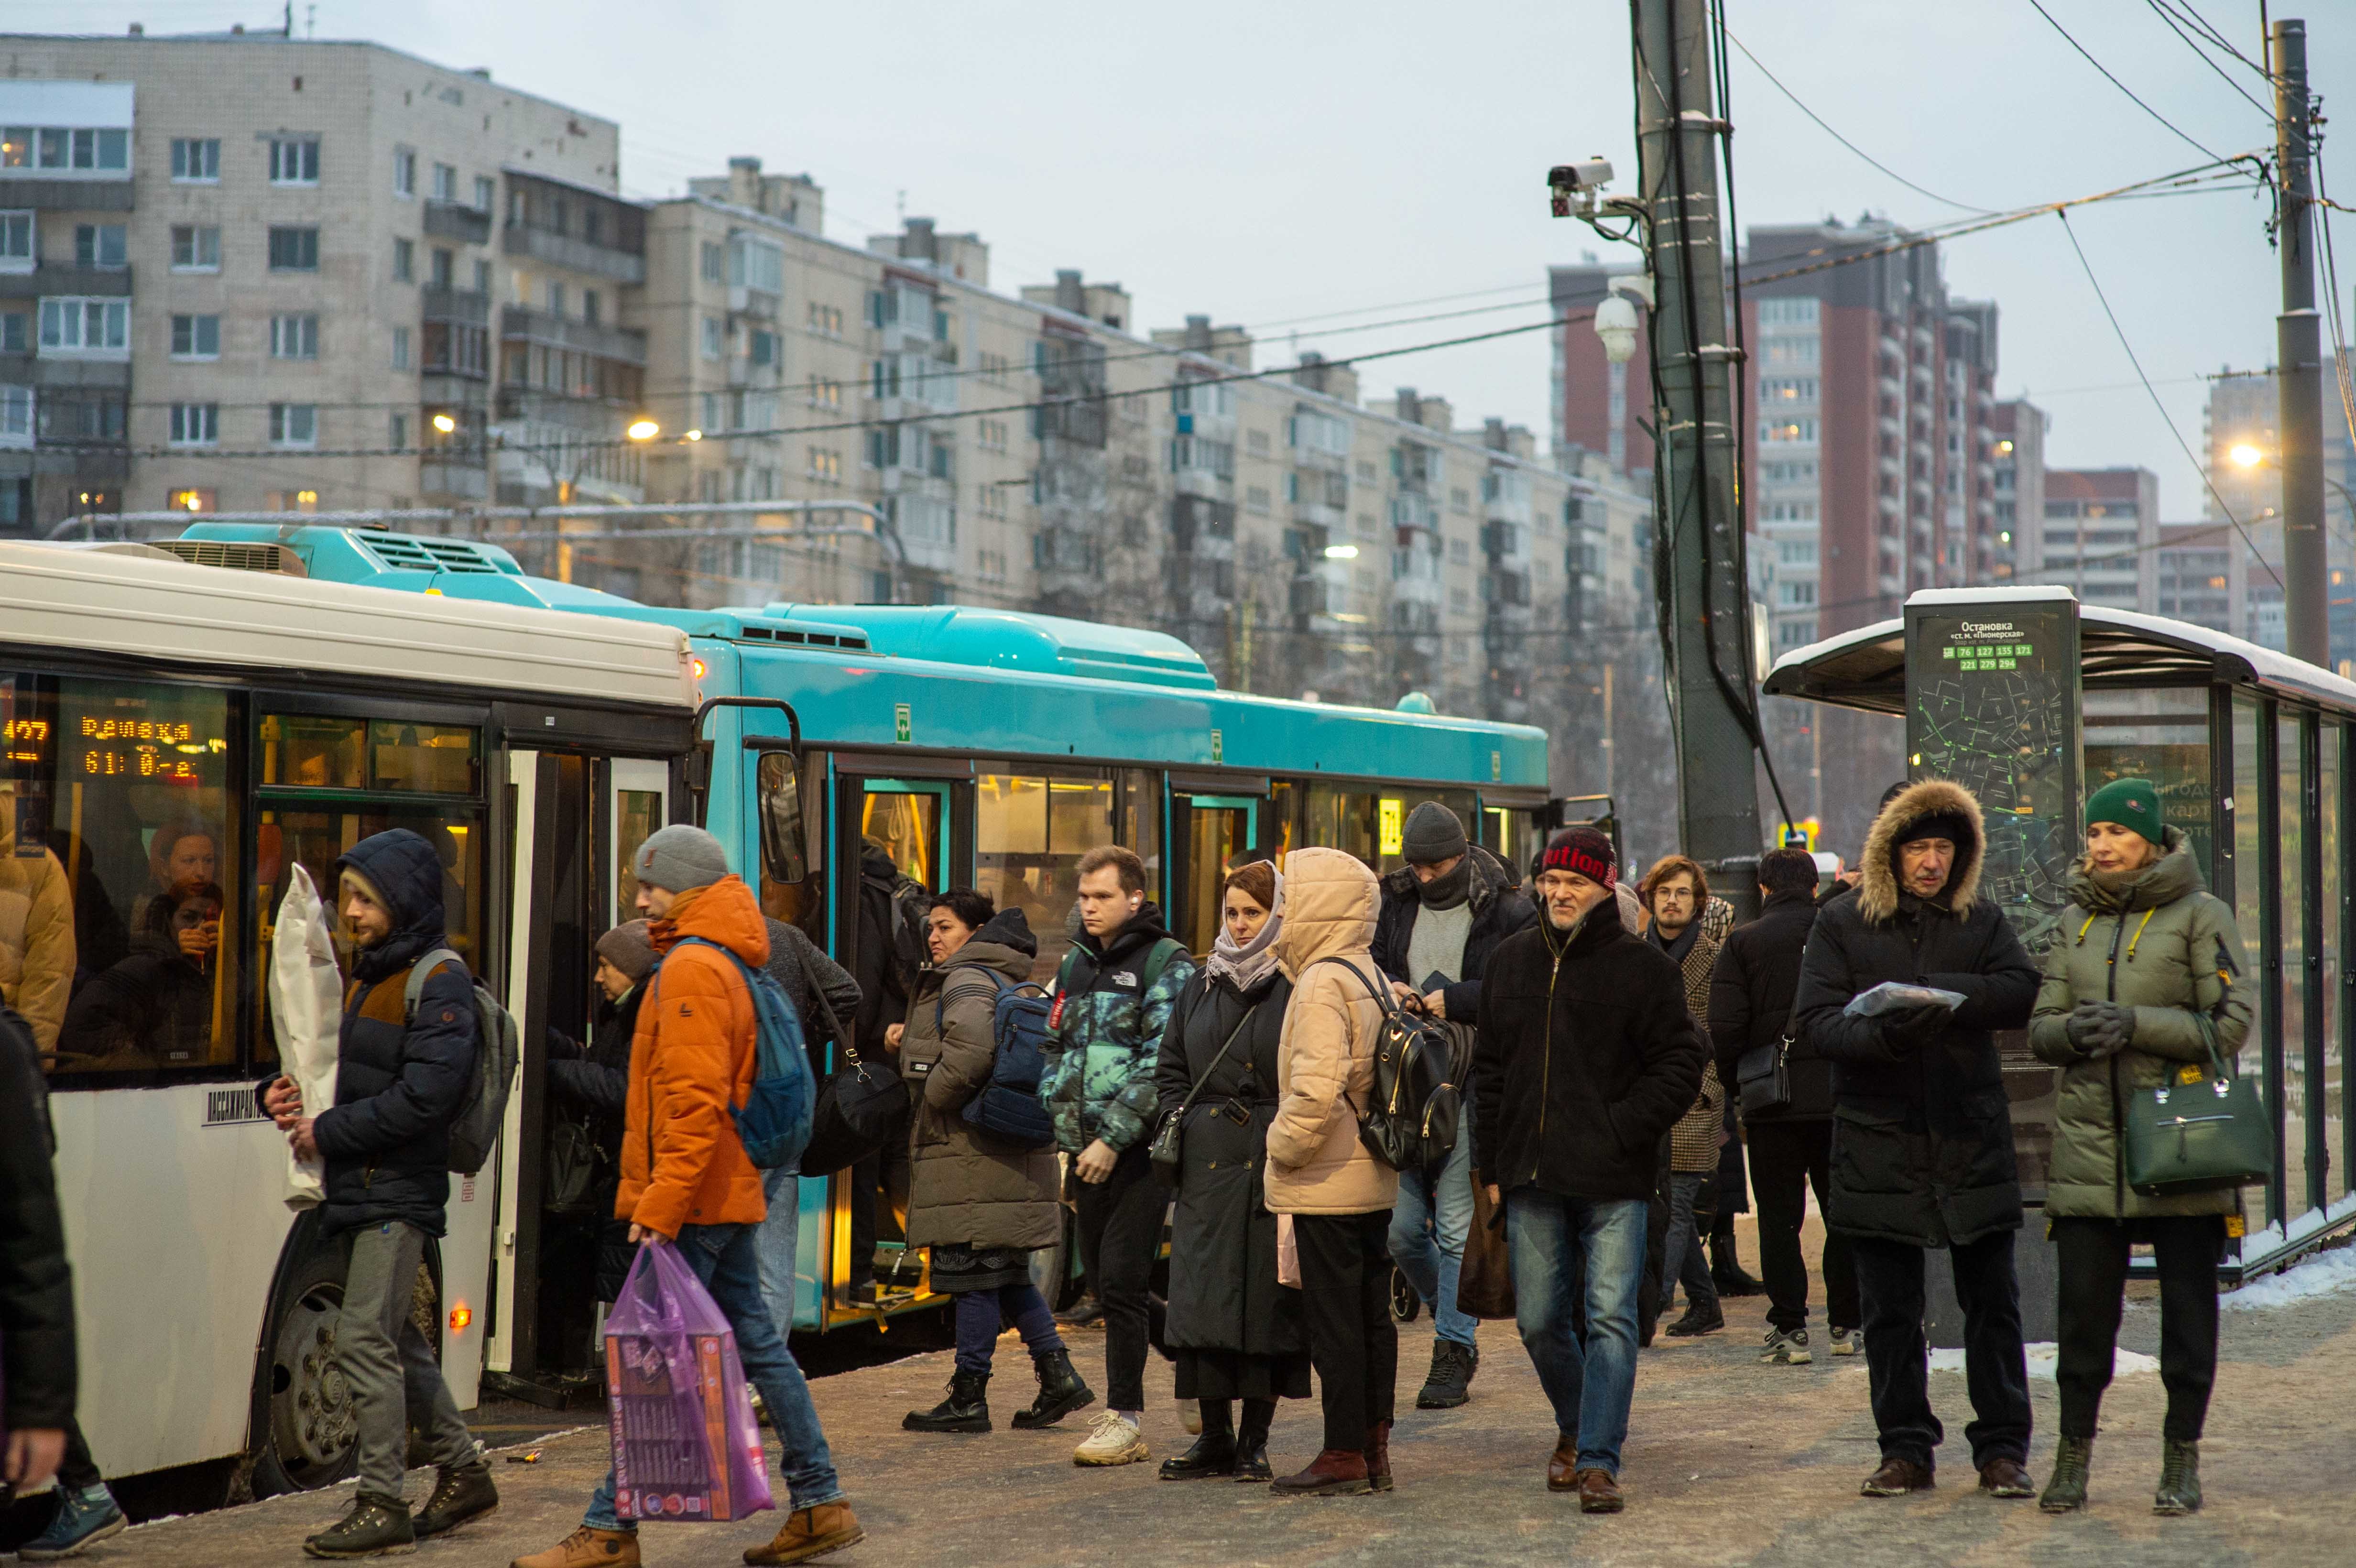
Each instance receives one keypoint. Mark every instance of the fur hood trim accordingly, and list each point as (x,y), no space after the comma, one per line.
(1877,888)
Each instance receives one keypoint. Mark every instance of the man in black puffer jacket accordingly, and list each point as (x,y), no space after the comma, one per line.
(37,1367)
(401,1080)
(1922,1135)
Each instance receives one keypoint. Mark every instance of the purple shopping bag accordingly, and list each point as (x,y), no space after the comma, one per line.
(686,1445)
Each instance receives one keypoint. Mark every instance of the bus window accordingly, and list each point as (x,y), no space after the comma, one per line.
(1342,819)
(1029,836)
(118,942)
(906,826)
(309,752)
(795,893)
(1278,827)
(1141,819)
(638,813)
(1512,835)
(1209,831)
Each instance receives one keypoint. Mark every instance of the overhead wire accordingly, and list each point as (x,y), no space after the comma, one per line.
(2161,9)
(2173,128)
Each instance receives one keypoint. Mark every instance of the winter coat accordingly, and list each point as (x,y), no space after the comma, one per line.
(1751,993)
(795,961)
(37,1366)
(692,1058)
(1693,1142)
(400,1080)
(1224,1294)
(1921,1132)
(594,1083)
(36,935)
(2170,949)
(1111,1011)
(157,1003)
(1317,1164)
(1498,910)
(883,986)
(964,1185)
(1587,1058)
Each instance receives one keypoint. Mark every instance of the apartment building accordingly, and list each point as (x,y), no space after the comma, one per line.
(2099,536)
(2196,573)
(250,271)
(2018,429)
(2244,485)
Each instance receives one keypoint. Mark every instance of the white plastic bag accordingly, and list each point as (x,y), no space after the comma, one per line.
(1897,997)
(306,1015)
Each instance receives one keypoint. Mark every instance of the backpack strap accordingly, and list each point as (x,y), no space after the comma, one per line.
(419,972)
(1158,960)
(941,998)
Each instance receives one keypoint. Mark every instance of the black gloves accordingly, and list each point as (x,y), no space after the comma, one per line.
(2101,1029)
(1914,1025)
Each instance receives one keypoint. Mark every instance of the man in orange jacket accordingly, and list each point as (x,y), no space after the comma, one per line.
(686,1179)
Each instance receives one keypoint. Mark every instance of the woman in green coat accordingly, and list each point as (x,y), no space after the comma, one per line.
(2143,981)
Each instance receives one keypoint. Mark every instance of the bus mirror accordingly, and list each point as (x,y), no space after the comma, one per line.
(784,852)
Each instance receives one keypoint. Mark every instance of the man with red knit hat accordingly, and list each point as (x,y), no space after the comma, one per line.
(1587,1056)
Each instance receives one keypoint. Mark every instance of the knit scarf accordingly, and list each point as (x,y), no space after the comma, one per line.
(1245,967)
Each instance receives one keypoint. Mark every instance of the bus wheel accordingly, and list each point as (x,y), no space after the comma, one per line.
(306,1427)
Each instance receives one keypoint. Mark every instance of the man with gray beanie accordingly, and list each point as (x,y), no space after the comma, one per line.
(1443,913)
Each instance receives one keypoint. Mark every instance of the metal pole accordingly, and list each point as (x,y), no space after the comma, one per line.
(1717,805)
(2300,357)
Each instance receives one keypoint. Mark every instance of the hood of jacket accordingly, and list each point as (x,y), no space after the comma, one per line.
(1005,943)
(1876,887)
(1329,903)
(1141,931)
(874,863)
(1489,878)
(724,914)
(2175,875)
(407,872)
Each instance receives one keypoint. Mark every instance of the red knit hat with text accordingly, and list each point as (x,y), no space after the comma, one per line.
(1586,851)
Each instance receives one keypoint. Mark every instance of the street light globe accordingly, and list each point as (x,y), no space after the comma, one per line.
(2245,455)
(692,436)
(445,423)
(643,430)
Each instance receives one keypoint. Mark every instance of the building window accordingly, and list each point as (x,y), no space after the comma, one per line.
(552,297)
(487,193)
(294,425)
(196,248)
(482,275)
(294,500)
(297,250)
(15,416)
(827,321)
(404,258)
(295,336)
(65,150)
(196,160)
(714,259)
(1787,389)
(404,172)
(18,252)
(86,327)
(294,160)
(1785,431)
(714,337)
(765,348)
(400,348)
(195,424)
(196,338)
(192,501)
(400,432)
(441,268)
(592,307)
(446,182)
(101,245)
(15,336)
(1787,312)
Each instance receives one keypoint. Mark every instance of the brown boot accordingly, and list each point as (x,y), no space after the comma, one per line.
(1896,1477)
(1336,1472)
(1378,1455)
(810,1532)
(1562,1466)
(1599,1492)
(587,1548)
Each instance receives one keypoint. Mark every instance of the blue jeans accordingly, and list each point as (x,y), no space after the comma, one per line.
(777,1240)
(1428,1225)
(1683,1259)
(1548,1240)
(722,1257)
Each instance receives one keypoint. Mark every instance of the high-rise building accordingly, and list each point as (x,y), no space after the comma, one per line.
(2016,455)
(2099,536)
(2243,450)
(2196,565)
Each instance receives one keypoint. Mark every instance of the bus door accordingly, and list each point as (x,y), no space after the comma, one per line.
(1209,830)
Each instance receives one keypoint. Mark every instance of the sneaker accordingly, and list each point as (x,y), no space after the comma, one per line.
(376,1526)
(83,1518)
(1785,1350)
(1847,1342)
(1114,1439)
(1696,1323)
(459,1496)
(1449,1384)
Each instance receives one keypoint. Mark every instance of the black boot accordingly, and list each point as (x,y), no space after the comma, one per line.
(1452,1366)
(1061,1392)
(1726,1272)
(377,1527)
(1214,1453)
(460,1494)
(1251,1443)
(2067,1490)
(967,1409)
(2180,1478)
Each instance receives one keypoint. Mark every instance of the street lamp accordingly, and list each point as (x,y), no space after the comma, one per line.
(445,423)
(643,430)
(2245,455)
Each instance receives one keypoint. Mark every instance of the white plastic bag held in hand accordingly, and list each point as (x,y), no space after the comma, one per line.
(306,1014)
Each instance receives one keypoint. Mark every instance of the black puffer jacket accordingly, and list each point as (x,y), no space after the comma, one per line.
(1750,994)
(1921,1132)
(1587,1056)
(37,1311)
(398,1083)
(1498,910)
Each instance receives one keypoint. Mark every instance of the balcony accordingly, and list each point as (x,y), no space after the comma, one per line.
(52,374)
(65,278)
(463,306)
(520,322)
(580,255)
(464,481)
(67,195)
(745,300)
(455,220)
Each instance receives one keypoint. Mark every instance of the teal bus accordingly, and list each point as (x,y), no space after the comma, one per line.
(975,747)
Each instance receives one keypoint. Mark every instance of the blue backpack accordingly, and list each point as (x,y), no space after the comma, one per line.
(775,1120)
(1008,1108)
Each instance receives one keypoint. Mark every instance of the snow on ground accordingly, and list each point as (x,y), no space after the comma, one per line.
(2044,1356)
(2326,1273)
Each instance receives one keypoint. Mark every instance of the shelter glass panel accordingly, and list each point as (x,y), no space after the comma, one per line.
(2162,736)
(2295,850)
(2327,1094)
(2248,909)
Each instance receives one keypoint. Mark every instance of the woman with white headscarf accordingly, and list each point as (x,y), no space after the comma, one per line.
(1235,1331)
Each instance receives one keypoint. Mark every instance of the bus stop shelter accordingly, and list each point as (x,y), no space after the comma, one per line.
(2254,754)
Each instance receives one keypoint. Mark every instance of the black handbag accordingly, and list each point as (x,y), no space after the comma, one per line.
(578,1169)
(860,1104)
(1763,1077)
(1167,1152)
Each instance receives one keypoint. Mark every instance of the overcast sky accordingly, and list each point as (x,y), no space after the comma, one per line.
(1267,162)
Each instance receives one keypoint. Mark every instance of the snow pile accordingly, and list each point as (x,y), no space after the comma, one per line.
(2044,1359)
(2326,1273)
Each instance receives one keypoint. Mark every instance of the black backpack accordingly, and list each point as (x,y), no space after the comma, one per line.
(1411,1122)
(907,906)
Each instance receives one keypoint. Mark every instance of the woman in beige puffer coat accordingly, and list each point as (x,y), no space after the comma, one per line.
(1321,1174)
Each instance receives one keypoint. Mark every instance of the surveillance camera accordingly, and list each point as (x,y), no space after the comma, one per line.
(1590,175)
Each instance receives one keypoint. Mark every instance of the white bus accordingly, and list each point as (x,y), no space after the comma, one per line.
(174,736)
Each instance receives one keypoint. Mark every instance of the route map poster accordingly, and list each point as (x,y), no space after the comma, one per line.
(1992,702)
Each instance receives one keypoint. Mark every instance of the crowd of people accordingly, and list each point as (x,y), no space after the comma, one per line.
(1600,1032)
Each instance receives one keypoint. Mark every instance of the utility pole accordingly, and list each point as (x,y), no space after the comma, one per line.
(1696,503)
(2299,360)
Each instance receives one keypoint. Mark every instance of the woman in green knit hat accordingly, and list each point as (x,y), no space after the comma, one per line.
(2143,982)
